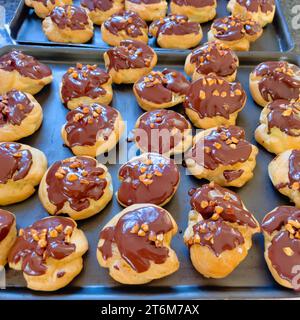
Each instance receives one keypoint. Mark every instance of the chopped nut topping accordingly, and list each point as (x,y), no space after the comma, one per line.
(53,233)
(72,177)
(157,173)
(287,112)
(75,164)
(197,238)
(202,95)
(215,216)
(21,232)
(160,237)
(217,145)
(234,140)
(219,209)
(290,228)
(294,223)
(223,94)
(288,251)
(68,230)
(59,228)
(207,149)
(59,175)
(141,233)
(152,236)
(216,93)
(232,146)
(42,243)
(204,204)
(238,92)
(135,228)
(145,227)
(295,186)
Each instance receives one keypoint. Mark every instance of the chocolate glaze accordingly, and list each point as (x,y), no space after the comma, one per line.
(145,1)
(159,86)
(216,58)
(130,54)
(137,251)
(32,255)
(279,80)
(6,221)
(195,3)
(175,24)
(148,183)
(102,5)
(75,180)
(14,163)
(83,81)
(254,5)
(69,16)
(156,130)
(127,21)
(14,107)
(212,96)
(26,65)
(234,28)
(278,118)
(86,124)
(276,221)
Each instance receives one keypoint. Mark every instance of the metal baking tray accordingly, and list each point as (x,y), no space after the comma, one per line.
(250,280)
(26,28)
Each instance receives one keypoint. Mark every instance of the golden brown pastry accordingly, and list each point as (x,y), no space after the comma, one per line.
(22,72)
(135,245)
(101,10)
(176,32)
(237,33)
(49,253)
(196,10)
(78,186)
(20,115)
(125,25)
(42,8)
(129,61)
(148,10)
(279,128)
(212,57)
(281,228)
(273,80)
(92,130)
(161,89)
(70,24)
(212,101)
(85,84)
(284,172)
(222,155)
(262,11)
(220,229)
(21,170)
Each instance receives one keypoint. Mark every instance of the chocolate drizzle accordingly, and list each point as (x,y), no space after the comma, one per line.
(280,80)
(155,131)
(234,28)
(195,3)
(83,81)
(138,251)
(69,16)
(127,21)
(254,5)
(6,221)
(87,124)
(214,57)
(75,180)
(46,238)
(159,86)
(93,5)
(14,162)
(130,54)
(26,65)
(149,178)
(212,96)
(14,107)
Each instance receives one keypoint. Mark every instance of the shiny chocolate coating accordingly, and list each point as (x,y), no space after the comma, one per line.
(256,5)
(7,220)
(195,3)
(93,5)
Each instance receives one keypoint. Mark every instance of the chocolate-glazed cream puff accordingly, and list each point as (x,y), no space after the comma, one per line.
(148,10)
(176,32)
(279,128)
(237,33)
(85,84)
(281,228)
(78,186)
(262,11)
(92,130)
(129,61)
(20,115)
(23,72)
(284,172)
(148,178)
(161,89)
(123,26)
(8,234)
(211,101)
(163,131)
(220,230)
(212,57)
(222,155)
(49,253)
(70,24)
(135,245)
(101,10)
(42,8)
(196,10)
(274,80)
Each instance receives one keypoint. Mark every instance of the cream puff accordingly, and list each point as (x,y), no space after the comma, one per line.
(42,8)
(148,10)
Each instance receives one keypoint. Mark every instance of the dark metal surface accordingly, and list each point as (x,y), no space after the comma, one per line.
(26,28)
(250,280)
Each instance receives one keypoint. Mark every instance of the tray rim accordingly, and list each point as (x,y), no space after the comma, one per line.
(19,14)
